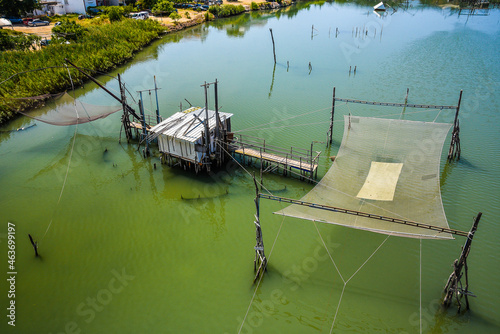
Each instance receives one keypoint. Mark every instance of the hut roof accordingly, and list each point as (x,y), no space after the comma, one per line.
(188,125)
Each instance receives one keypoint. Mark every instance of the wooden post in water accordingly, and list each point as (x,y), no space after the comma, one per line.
(406,102)
(35,245)
(274,49)
(455,149)
(207,129)
(218,125)
(330,131)
(158,119)
(260,261)
(125,116)
(454,287)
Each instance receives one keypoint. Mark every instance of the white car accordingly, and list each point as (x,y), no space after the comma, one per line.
(140,16)
(37,22)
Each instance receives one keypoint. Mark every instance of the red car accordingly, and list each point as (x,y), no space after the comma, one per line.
(27,20)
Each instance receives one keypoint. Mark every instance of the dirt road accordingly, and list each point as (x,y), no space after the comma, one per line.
(43,31)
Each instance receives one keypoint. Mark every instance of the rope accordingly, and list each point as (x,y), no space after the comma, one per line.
(64,182)
(439,113)
(272,247)
(260,279)
(420,286)
(255,127)
(69,161)
(340,274)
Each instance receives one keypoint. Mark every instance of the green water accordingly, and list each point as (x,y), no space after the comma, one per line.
(121,252)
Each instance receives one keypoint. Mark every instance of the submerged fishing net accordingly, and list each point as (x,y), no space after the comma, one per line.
(65,110)
(384,167)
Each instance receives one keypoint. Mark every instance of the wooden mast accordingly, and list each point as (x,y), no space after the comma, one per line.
(455,149)
(260,262)
(454,287)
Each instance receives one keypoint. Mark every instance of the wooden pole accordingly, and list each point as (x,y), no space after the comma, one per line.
(330,131)
(453,287)
(104,88)
(455,148)
(260,256)
(207,129)
(274,48)
(35,245)
(125,117)
(406,102)
(158,119)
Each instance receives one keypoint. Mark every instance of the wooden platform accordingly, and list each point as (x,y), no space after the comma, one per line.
(286,162)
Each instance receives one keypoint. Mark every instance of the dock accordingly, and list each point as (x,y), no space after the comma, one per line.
(272,158)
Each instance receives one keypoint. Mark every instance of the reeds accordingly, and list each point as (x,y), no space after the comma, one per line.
(100,48)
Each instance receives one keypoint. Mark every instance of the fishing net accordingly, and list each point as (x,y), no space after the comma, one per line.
(384,167)
(65,110)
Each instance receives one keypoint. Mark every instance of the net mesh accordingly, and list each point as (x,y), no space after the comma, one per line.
(384,167)
(65,110)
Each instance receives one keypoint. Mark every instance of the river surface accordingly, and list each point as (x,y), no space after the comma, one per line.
(127,248)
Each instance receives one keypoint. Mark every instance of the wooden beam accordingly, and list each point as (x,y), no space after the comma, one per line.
(364,214)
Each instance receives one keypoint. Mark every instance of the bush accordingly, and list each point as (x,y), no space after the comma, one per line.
(114,13)
(175,16)
(99,48)
(209,16)
(187,15)
(226,10)
(254,6)
(17,41)
(69,30)
(164,6)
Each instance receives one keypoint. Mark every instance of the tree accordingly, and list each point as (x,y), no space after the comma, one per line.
(17,7)
(175,16)
(164,6)
(69,30)
(146,4)
(115,13)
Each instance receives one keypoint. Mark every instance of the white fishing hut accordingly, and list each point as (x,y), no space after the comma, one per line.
(182,137)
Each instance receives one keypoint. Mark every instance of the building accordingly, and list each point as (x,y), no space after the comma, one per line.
(61,7)
(182,137)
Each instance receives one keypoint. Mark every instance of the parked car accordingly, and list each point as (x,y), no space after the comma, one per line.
(15,20)
(37,22)
(27,20)
(140,16)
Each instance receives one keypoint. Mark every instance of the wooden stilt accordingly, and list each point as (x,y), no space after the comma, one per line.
(260,257)
(455,149)
(330,131)
(274,48)
(35,245)
(454,288)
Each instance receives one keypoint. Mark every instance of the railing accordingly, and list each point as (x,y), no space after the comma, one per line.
(299,155)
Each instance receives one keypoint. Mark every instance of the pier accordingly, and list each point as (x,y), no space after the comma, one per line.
(275,159)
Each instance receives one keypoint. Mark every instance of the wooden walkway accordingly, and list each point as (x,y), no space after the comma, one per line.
(273,158)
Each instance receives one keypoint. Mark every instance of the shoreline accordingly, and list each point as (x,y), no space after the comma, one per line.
(166,22)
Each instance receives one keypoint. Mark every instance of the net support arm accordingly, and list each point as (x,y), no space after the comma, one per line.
(364,214)
(129,109)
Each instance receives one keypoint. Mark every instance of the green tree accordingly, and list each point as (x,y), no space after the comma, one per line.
(69,30)
(175,16)
(17,8)
(146,4)
(164,6)
(115,13)
(17,41)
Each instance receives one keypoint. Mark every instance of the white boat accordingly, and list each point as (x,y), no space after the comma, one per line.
(379,7)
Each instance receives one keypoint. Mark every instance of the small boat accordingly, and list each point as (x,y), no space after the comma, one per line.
(379,7)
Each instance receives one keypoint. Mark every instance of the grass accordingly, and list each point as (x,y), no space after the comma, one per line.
(100,48)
